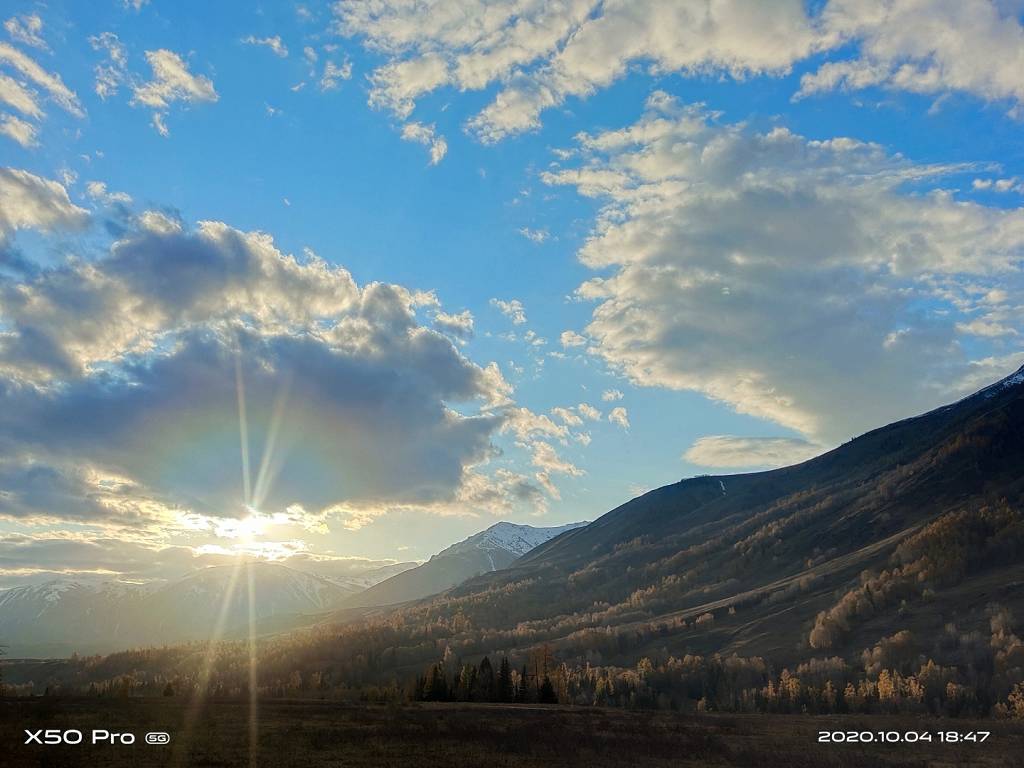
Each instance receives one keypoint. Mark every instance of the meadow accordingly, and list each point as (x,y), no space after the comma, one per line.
(312,733)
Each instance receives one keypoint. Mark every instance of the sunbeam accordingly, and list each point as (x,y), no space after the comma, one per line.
(270,461)
(199,694)
(243,427)
(253,683)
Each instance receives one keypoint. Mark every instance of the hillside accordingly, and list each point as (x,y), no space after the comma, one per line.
(490,550)
(778,547)
(898,553)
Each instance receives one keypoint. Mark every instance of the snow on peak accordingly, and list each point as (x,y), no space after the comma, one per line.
(1010,381)
(510,537)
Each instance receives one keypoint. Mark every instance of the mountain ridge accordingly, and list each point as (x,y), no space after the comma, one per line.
(490,550)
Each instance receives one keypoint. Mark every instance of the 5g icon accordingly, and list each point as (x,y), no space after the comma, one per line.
(158,737)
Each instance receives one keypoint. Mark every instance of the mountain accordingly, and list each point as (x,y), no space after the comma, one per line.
(912,526)
(490,550)
(61,616)
(901,550)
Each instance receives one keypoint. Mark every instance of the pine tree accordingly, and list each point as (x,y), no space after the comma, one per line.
(485,680)
(505,692)
(547,692)
(523,692)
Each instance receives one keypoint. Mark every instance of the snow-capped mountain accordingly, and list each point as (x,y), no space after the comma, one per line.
(61,616)
(490,550)
(507,537)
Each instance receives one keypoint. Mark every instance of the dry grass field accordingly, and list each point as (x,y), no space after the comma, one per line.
(315,733)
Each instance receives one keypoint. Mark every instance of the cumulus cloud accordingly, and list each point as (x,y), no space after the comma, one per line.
(138,368)
(974,46)
(790,278)
(567,417)
(28,201)
(512,309)
(426,135)
(732,452)
(611,395)
(572,339)
(98,191)
(547,461)
(274,43)
(619,416)
(544,53)
(459,325)
(332,75)
(171,82)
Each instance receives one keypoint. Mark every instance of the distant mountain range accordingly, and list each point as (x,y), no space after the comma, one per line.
(902,549)
(491,550)
(59,617)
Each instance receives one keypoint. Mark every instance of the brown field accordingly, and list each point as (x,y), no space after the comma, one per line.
(315,733)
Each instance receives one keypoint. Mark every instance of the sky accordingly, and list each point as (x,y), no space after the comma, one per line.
(348,282)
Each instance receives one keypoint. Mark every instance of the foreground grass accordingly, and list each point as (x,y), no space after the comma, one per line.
(315,733)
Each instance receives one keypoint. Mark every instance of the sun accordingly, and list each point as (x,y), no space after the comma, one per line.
(250,527)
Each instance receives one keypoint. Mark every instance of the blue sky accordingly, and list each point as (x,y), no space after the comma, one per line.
(812,227)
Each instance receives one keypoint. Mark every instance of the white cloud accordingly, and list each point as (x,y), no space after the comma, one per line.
(715,233)
(611,395)
(459,325)
(424,134)
(333,73)
(547,461)
(989,328)
(171,82)
(999,185)
(589,411)
(27,29)
(534,235)
(273,43)
(572,339)
(732,452)
(110,76)
(543,53)
(339,381)
(528,426)
(28,201)
(51,83)
(567,417)
(16,95)
(974,46)
(512,309)
(159,125)
(619,416)
(158,223)
(19,130)
(98,191)
(981,373)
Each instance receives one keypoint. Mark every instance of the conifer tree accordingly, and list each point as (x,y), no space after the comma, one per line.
(505,692)
(485,680)
(547,692)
